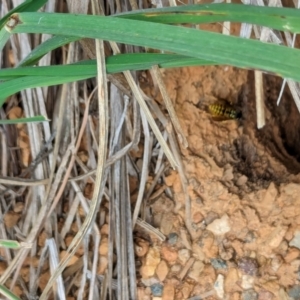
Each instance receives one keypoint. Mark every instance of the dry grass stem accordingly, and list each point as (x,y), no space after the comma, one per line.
(151,121)
(157,76)
(259,99)
(144,173)
(186,268)
(150,229)
(23,181)
(54,261)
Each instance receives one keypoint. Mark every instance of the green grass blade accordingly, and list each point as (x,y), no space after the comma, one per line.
(7,293)
(273,17)
(24,120)
(114,64)
(29,77)
(144,61)
(14,85)
(4,37)
(28,5)
(82,68)
(193,14)
(210,46)
(10,244)
(44,48)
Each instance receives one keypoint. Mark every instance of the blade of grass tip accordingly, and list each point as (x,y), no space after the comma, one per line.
(15,85)
(53,43)
(10,244)
(7,293)
(25,120)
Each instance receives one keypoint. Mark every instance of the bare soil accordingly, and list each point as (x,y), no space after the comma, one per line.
(244,189)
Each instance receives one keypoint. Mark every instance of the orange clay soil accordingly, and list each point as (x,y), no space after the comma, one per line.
(244,191)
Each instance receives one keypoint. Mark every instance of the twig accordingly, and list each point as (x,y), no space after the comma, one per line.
(144,174)
(150,229)
(188,265)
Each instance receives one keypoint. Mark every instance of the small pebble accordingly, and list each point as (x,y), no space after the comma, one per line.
(250,237)
(218,263)
(247,282)
(266,295)
(248,265)
(149,281)
(295,242)
(276,262)
(176,268)
(170,255)
(242,180)
(169,292)
(196,270)
(197,217)
(249,295)
(157,289)
(103,248)
(172,238)
(292,254)
(102,265)
(211,216)
(166,223)
(220,226)
(152,259)
(184,255)
(162,270)
(219,286)
(294,292)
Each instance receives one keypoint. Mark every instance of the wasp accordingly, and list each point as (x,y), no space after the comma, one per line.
(222,111)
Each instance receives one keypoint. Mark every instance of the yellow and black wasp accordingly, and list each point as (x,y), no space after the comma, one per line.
(222,111)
